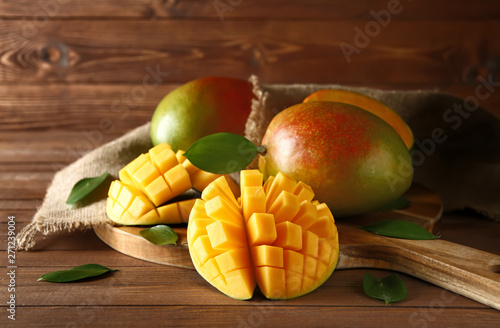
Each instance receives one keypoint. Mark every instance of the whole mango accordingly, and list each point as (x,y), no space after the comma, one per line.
(354,161)
(199,108)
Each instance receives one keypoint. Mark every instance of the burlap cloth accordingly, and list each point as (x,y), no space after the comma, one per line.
(464,169)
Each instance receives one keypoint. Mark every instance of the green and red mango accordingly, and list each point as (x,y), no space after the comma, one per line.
(199,108)
(354,161)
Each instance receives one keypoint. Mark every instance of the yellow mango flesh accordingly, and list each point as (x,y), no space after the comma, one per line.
(127,205)
(275,237)
(157,174)
(151,180)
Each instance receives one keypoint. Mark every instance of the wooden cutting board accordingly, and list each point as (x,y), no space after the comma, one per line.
(463,270)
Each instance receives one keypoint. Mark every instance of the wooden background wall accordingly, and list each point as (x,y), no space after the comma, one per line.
(77,67)
(72,77)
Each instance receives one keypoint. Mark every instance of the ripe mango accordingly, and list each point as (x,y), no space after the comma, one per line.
(127,205)
(151,180)
(369,104)
(199,108)
(273,236)
(354,160)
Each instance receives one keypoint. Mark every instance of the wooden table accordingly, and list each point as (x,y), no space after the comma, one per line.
(68,67)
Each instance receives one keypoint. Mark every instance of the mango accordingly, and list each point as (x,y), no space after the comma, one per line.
(367,103)
(127,205)
(354,161)
(199,108)
(273,237)
(150,181)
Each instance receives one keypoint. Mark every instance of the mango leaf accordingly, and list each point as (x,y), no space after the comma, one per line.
(222,153)
(400,229)
(389,289)
(84,187)
(398,204)
(76,273)
(159,235)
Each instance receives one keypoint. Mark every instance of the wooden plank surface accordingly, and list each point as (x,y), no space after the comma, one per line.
(66,69)
(342,289)
(104,51)
(237,9)
(114,105)
(254,315)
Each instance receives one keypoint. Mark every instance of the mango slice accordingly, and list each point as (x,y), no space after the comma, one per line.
(157,174)
(275,237)
(127,205)
(151,180)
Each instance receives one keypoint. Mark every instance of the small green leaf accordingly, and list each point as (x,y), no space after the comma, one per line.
(160,235)
(389,289)
(76,273)
(222,153)
(84,187)
(400,229)
(398,204)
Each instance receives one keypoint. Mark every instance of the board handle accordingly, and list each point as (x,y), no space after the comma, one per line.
(466,271)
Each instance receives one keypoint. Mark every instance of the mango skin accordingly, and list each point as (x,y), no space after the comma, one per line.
(354,161)
(369,104)
(199,108)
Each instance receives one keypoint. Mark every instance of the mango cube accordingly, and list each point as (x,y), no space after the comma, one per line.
(265,255)
(226,235)
(261,229)
(152,179)
(253,201)
(278,238)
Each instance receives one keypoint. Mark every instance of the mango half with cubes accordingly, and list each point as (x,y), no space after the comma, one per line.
(151,180)
(274,236)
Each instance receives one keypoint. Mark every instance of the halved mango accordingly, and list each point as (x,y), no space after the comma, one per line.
(127,205)
(157,174)
(369,104)
(151,180)
(275,237)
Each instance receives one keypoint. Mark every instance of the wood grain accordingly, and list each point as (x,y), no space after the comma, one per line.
(317,9)
(172,287)
(464,270)
(101,51)
(105,108)
(57,149)
(14,184)
(128,241)
(62,76)
(248,315)
(114,105)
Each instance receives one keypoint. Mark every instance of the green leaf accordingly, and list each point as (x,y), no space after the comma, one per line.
(160,235)
(389,289)
(84,187)
(400,229)
(222,153)
(398,204)
(76,273)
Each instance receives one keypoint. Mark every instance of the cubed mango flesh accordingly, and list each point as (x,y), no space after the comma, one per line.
(150,181)
(127,205)
(275,236)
